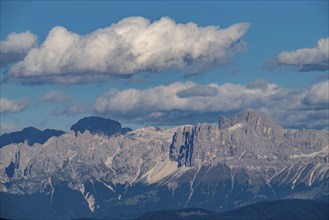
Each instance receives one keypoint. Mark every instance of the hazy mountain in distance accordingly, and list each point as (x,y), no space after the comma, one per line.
(99,125)
(96,125)
(248,158)
(31,135)
(125,130)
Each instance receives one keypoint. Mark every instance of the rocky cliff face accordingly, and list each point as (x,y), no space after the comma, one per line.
(247,158)
(250,135)
(194,145)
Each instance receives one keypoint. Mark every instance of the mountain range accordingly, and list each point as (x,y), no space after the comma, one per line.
(95,125)
(97,170)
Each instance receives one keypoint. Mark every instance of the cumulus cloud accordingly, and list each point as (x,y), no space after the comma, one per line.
(162,100)
(165,105)
(307,59)
(16,46)
(318,95)
(129,46)
(198,90)
(55,96)
(12,106)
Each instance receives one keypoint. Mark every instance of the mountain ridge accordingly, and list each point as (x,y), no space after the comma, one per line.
(30,134)
(253,159)
(96,125)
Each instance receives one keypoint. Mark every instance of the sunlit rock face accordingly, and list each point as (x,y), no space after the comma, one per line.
(246,158)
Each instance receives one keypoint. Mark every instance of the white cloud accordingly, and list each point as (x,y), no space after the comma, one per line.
(130,46)
(12,106)
(229,97)
(54,96)
(16,46)
(318,94)
(307,59)
(198,90)
(18,43)
(164,105)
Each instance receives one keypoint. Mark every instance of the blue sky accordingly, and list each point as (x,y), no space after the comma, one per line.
(250,72)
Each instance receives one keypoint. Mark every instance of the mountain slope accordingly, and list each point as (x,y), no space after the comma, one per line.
(274,210)
(248,158)
(281,209)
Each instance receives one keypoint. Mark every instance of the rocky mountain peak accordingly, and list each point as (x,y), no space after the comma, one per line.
(248,117)
(255,119)
(253,122)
